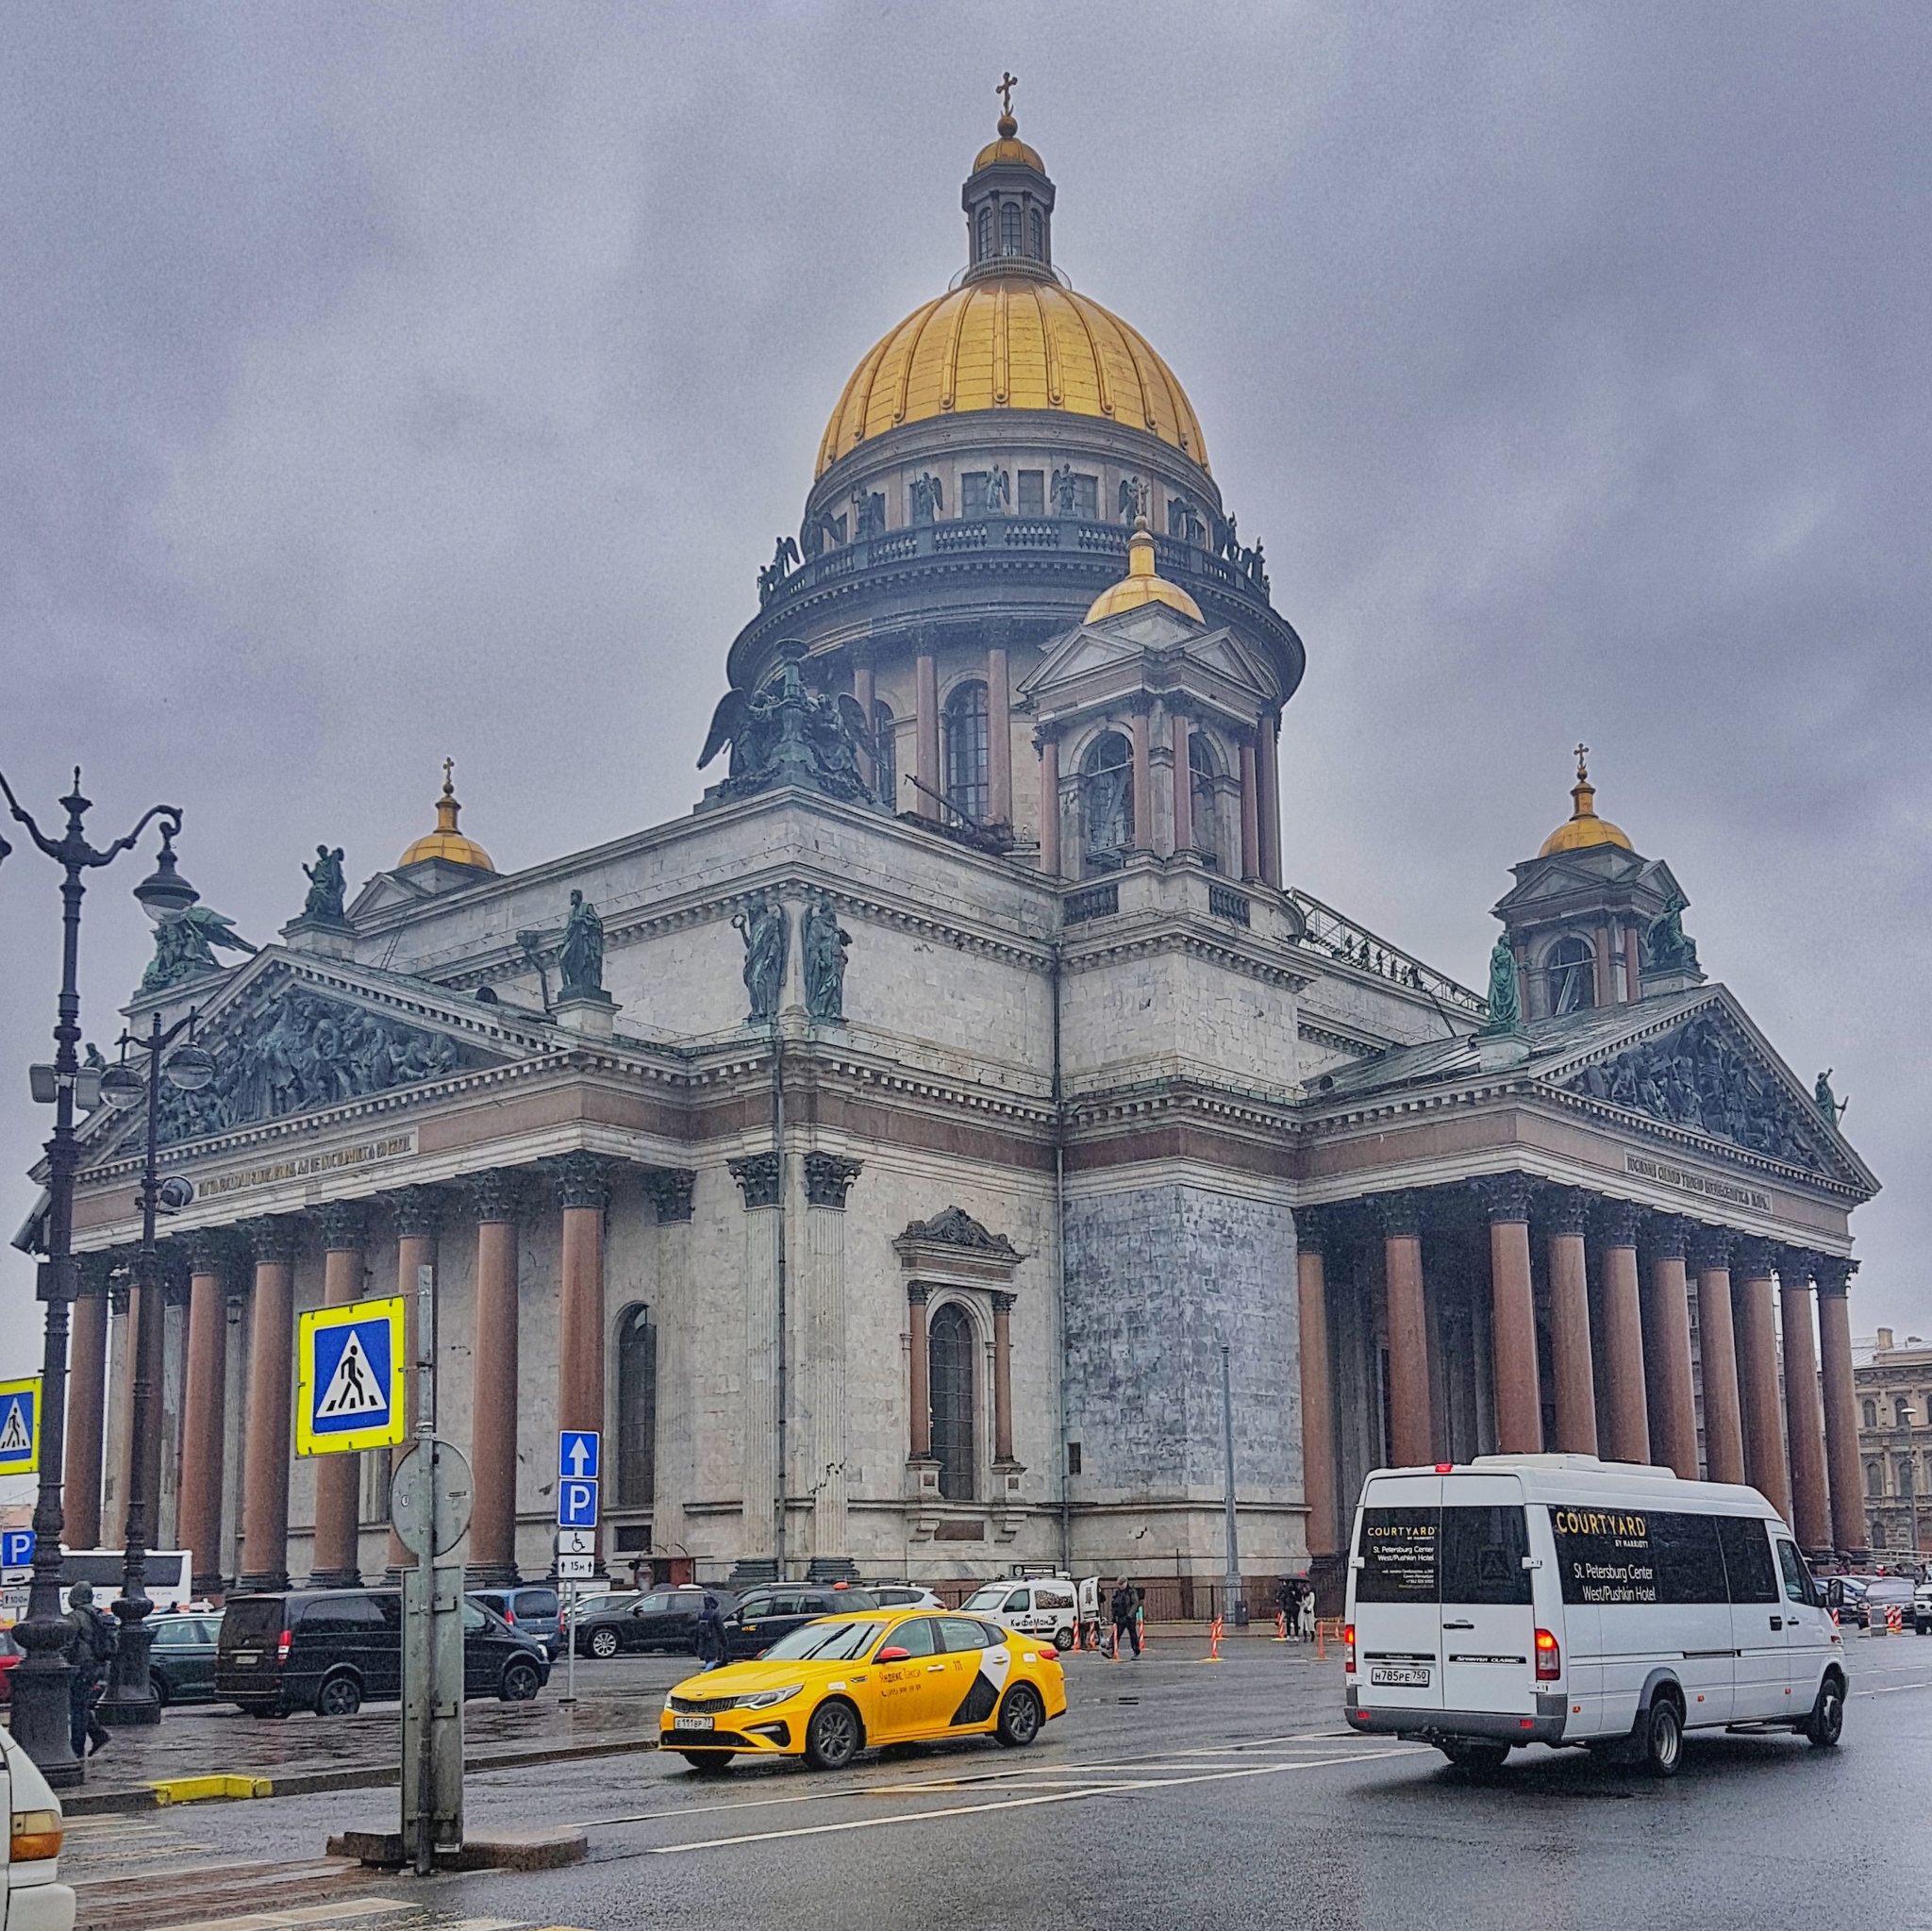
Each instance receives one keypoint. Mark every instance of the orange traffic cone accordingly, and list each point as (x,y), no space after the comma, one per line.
(1281,1625)
(1213,1654)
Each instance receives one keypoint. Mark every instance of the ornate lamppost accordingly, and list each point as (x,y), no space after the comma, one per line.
(40,1692)
(130,1697)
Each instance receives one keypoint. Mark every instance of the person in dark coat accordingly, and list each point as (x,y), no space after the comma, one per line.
(88,1648)
(712,1647)
(1125,1607)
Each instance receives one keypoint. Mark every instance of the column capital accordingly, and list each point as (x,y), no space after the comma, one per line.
(1794,1268)
(669,1190)
(583,1180)
(1048,733)
(917,1293)
(495,1193)
(827,1179)
(1003,1302)
(343,1223)
(1756,1259)
(1504,1196)
(1569,1210)
(1669,1235)
(92,1273)
(1617,1222)
(757,1178)
(1834,1276)
(1710,1248)
(273,1240)
(211,1250)
(418,1211)
(1400,1213)
(1314,1228)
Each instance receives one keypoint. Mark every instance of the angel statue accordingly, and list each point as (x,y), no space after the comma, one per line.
(184,949)
(786,734)
(327,886)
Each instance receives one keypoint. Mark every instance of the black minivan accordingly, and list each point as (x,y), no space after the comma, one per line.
(333,1650)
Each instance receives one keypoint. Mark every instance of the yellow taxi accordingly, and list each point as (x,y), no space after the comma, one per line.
(830,1688)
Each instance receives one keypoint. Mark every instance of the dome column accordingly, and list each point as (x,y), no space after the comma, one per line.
(925,739)
(999,734)
(1140,728)
(1269,800)
(1047,740)
(1183,783)
(1251,815)
(863,696)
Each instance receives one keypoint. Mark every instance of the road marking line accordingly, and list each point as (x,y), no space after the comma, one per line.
(1069,1796)
(1892,1688)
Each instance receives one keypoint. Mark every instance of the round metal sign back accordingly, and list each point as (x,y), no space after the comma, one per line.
(432,1490)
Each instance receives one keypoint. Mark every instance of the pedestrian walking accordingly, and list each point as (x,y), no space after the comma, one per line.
(1288,1599)
(713,1647)
(1126,1608)
(90,1648)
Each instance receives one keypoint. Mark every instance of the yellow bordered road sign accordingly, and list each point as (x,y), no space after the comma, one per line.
(349,1377)
(20,1426)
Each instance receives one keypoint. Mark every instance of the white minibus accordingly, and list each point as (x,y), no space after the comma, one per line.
(166,1574)
(1560,1599)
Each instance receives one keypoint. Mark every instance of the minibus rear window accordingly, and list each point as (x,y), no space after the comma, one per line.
(1483,1550)
(1398,1552)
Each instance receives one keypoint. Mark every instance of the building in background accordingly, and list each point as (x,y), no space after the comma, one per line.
(1893,1380)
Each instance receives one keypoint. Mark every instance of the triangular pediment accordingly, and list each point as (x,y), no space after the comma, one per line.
(1565,877)
(1705,1069)
(1135,638)
(292,1034)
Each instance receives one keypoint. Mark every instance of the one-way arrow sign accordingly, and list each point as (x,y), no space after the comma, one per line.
(576,1454)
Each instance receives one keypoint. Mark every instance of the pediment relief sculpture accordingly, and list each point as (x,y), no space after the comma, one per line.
(299,1050)
(1697,1076)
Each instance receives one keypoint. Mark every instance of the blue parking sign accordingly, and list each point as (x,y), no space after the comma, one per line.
(577,1505)
(16,1548)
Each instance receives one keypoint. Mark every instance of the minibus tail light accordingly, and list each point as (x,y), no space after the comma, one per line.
(1348,1649)
(1549,1659)
(282,1647)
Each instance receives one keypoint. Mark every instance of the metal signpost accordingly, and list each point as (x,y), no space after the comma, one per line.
(579,1454)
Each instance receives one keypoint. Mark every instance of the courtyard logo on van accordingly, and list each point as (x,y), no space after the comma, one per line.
(1597,1522)
(1604,1555)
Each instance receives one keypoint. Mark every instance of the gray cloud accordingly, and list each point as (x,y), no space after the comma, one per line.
(379,384)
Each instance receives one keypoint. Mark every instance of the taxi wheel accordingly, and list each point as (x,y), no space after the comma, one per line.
(832,1738)
(708,1763)
(1020,1717)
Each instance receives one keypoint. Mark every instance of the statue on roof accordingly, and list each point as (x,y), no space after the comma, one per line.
(185,948)
(1829,1104)
(1665,943)
(327,886)
(1506,997)
(785,733)
(822,946)
(580,953)
(767,935)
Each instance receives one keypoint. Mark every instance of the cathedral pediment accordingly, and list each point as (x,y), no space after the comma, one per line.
(293,1035)
(1151,635)
(1708,1072)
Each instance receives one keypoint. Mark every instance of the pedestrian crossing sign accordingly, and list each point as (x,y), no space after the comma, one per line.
(349,1377)
(20,1426)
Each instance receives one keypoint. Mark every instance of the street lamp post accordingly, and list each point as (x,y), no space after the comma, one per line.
(130,1697)
(42,1721)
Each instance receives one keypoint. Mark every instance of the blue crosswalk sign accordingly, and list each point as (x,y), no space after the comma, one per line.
(20,1426)
(576,1454)
(577,1505)
(349,1377)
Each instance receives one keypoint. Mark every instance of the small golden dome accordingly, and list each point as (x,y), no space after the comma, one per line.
(1584,828)
(1011,342)
(1142,585)
(446,842)
(1008,149)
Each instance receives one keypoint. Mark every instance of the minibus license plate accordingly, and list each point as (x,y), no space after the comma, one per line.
(1399,1676)
(691,1723)
(245,1659)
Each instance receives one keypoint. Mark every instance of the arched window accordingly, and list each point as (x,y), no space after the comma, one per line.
(1902,1412)
(1036,234)
(1870,1414)
(637,1407)
(885,755)
(1106,804)
(967,785)
(1203,806)
(949,1346)
(1874,1478)
(1571,974)
(985,249)
(1009,227)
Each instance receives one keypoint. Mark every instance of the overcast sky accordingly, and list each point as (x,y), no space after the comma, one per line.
(382,383)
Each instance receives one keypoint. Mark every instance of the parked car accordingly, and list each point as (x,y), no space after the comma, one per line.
(662,1620)
(533,1608)
(11,1654)
(1880,1594)
(587,1606)
(181,1657)
(903,1595)
(1922,1609)
(766,1614)
(333,1650)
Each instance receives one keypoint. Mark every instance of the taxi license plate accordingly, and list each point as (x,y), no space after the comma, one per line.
(691,1723)
(1391,1676)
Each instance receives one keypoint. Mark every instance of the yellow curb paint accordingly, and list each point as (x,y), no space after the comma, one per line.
(199,1789)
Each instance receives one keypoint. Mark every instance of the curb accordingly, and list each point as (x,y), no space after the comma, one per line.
(367,1776)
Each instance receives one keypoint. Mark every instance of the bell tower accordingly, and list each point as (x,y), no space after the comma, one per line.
(1008,203)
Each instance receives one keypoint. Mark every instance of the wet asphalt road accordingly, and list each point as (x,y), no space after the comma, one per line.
(1174,1793)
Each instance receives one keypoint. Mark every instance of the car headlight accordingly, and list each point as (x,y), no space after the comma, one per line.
(764,1699)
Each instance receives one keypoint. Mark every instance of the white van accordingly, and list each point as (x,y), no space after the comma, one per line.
(1042,1606)
(1560,1599)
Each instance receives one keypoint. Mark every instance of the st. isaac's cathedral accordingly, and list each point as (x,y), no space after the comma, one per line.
(886,1156)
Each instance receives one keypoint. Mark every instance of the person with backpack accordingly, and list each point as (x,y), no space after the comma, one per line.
(89,1649)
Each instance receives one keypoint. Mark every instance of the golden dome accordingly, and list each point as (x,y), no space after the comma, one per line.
(1583,828)
(1011,342)
(1008,149)
(446,842)
(1143,585)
